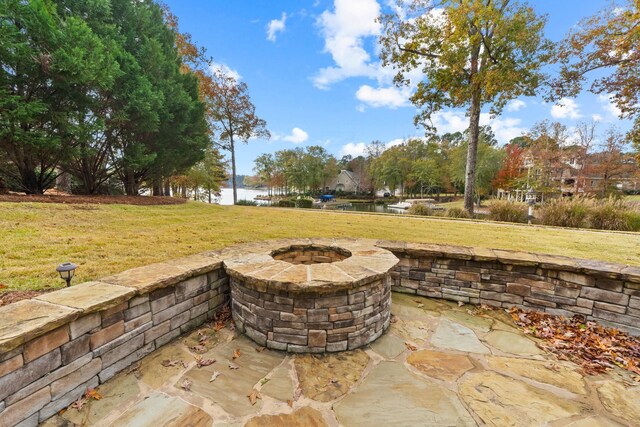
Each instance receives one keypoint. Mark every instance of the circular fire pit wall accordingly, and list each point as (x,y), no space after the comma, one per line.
(311,297)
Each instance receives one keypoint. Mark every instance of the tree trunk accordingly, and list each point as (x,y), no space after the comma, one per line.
(472,152)
(167,187)
(157,187)
(233,171)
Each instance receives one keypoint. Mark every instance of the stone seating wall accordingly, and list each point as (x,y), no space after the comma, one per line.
(55,346)
(605,292)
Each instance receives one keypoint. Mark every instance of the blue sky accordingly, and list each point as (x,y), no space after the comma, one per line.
(314,74)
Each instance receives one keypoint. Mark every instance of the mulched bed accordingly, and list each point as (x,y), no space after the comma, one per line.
(8,297)
(100,200)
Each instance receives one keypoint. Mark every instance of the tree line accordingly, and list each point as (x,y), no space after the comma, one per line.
(110,93)
(481,54)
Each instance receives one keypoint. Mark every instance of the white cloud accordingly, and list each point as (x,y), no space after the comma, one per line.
(226,70)
(596,117)
(276,26)
(354,149)
(504,128)
(297,136)
(566,108)
(516,105)
(344,31)
(608,105)
(391,96)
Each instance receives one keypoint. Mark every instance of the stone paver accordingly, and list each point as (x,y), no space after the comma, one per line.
(499,400)
(471,367)
(455,336)
(391,395)
(329,376)
(439,365)
(510,342)
(305,417)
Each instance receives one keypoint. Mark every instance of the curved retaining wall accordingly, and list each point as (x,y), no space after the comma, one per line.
(605,292)
(56,345)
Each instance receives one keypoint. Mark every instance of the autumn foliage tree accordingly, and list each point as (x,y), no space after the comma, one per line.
(509,174)
(233,116)
(472,54)
(605,46)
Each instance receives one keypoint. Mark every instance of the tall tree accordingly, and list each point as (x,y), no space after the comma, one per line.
(605,46)
(472,53)
(50,68)
(234,116)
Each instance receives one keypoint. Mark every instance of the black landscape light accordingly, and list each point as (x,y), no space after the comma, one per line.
(67,270)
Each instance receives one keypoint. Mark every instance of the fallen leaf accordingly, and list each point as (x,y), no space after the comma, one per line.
(254,396)
(411,346)
(236,354)
(168,363)
(3,286)
(186,384)
(214,376)
(199,348)
(290,403)
(201,361)
(460,303)
(261,349)
(420,305)
(264,381)
(92,393)
(297,394)
(78,404)
(232,366)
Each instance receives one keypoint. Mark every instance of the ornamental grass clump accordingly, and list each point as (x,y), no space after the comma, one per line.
(610,214)
(420,210)
(506,211)
(565,213)
(457,213)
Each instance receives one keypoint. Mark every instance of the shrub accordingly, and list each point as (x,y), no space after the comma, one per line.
(503,210)
(304,203)
(609,214)
(457,213)
(286,204)
(633,220)
(564,213)
(246,203)
(420,210)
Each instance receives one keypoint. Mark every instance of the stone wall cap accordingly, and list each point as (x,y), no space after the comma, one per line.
(196,264)
(150,277)
(25,320)
(89,296)
(254,265)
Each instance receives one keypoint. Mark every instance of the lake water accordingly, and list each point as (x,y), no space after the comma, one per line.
(226,198)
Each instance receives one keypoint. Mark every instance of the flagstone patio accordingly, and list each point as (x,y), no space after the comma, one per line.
(439,364)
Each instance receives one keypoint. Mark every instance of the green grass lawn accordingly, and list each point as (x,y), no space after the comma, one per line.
(105,239)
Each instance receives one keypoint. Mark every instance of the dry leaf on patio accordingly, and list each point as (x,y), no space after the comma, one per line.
(92,393)
(460,303)
(199,349)
(168,363)
(218,326)
(232,366)
(393,319)
(78,404)
(186,384)
(201,361)
(261,349)
(214,376)
(297,394)
(236,354)
(254,396)
(411,346)
(290,403)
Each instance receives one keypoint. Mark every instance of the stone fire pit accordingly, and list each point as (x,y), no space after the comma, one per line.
(315,296)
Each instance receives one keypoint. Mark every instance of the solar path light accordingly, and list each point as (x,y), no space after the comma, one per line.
(66,271)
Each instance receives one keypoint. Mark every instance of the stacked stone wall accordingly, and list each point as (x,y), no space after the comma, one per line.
(607,293)
(93,331)
(313,323)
